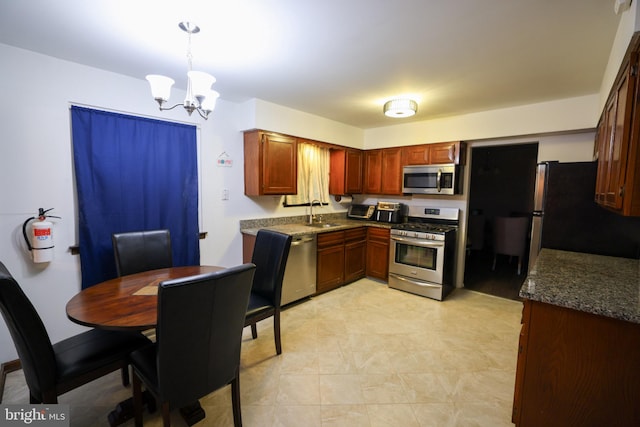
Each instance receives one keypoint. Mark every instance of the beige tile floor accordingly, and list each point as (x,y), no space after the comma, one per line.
(361,355)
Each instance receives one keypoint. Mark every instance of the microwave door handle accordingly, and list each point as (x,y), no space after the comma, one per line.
(438,177)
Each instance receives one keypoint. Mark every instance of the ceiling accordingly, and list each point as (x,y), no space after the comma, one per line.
(339,59)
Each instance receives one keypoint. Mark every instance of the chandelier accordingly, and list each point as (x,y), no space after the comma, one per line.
(200,97)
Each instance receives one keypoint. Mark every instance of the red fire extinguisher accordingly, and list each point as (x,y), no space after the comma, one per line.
(40,239)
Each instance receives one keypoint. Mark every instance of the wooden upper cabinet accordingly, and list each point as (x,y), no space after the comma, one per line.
(346,172)
(383,171)
(415,155)
(372,171)
(391,171)
(447,152)
(434,154)
(618,143)
(270,164)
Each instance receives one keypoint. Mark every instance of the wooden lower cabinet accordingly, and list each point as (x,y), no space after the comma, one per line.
(330,267)
(355,254)
(576,369)
(377,253)
(248,243)
(341,258)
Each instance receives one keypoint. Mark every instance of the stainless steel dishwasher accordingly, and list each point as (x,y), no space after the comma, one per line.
(300,272)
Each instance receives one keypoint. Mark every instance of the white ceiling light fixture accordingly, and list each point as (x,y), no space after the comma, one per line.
(401,107)
(200,97)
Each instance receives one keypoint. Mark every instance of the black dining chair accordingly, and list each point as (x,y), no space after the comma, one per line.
(54,369)
(138,251)
(270,255)
(198,340)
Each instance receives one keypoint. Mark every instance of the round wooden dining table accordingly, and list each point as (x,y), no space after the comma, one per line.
(128,302)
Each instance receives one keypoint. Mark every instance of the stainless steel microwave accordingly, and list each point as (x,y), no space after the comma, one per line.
(431,179)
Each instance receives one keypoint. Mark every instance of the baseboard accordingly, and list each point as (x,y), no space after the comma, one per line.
(6,368)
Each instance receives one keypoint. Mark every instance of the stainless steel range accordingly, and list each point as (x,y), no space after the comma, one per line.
(422,252)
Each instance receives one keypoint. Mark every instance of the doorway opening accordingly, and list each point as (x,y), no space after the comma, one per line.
(502,186)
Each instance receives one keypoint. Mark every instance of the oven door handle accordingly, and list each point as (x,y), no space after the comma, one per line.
(413,282)
(424,243)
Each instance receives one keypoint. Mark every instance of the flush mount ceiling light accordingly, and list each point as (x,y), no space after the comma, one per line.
(399,108)
(200,97)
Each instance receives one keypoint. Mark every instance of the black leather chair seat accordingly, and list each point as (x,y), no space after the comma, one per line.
(258,304)
(146,361)
(88,351)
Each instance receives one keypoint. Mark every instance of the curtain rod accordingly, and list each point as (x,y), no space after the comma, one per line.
(145,116)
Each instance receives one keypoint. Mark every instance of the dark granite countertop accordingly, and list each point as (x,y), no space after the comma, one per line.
(602,285)
(296,225)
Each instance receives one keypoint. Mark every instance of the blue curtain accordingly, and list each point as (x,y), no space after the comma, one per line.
(133,174)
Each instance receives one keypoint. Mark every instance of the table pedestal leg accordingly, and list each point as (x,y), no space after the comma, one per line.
(124,409)
(192,413)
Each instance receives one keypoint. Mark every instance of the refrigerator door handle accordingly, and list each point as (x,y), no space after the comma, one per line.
(536,239)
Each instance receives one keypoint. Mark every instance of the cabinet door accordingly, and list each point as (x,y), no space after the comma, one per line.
(391,171)
(330,267)
(280,173)
(345,172)
(444,152)
(378,253)
(415,155)
(353,172)
(373,171)
(355,249)
(248,243)
(603,141)
(620,114)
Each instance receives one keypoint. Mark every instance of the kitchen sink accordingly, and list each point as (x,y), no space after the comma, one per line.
(323,225)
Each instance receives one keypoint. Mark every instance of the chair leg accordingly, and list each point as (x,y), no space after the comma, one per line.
(276,331)
(166,414)
(125,375)
(254,331)
(235,401)
(137,400)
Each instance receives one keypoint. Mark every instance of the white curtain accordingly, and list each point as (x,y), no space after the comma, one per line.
(313,175)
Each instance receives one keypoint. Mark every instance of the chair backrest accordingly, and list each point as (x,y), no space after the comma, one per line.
(270,255)
(510,235)
(138,251)
(29,335)
(199,332)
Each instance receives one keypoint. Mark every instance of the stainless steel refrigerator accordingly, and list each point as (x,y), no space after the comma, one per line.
(566,216)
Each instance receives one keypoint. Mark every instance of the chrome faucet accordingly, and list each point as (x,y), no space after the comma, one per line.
(311,215)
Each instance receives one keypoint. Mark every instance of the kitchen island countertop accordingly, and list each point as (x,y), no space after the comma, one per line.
(597,284)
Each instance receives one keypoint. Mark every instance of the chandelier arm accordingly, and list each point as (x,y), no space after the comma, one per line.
(204,116)
(168,108)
